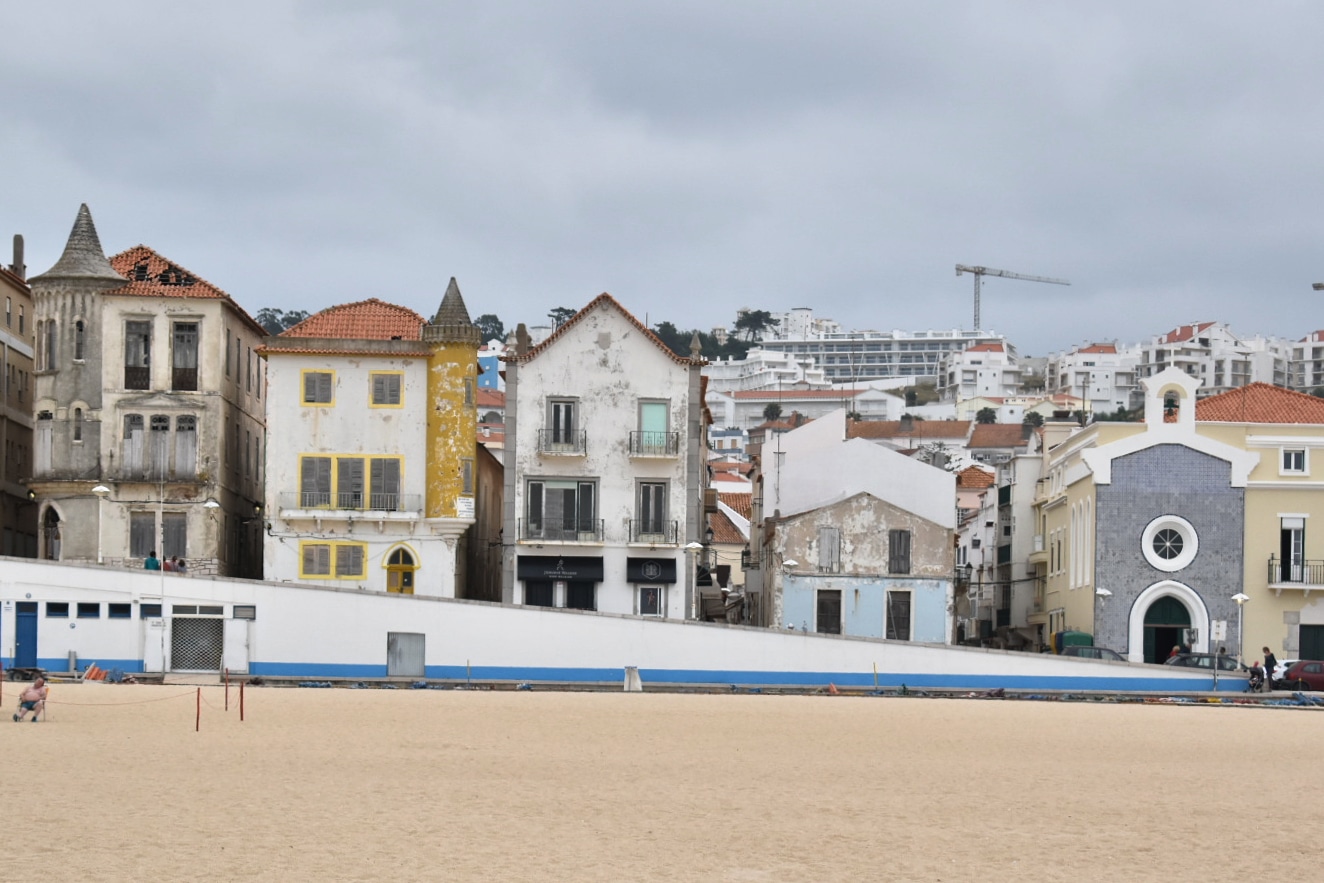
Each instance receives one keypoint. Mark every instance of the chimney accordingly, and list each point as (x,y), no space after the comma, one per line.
(522,340)
(17,267)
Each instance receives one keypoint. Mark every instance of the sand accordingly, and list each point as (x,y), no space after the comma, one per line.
(337,784)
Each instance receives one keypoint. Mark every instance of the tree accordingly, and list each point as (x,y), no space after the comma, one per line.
(1318,392)
(986,415)
(753,323)
(1034,418)
(559,316)
(275,321)
(490,327)
(772,411)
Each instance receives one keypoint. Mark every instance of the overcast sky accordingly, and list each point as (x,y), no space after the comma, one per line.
(692,158)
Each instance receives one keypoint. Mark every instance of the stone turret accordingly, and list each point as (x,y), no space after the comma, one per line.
(451,323)
(83,257)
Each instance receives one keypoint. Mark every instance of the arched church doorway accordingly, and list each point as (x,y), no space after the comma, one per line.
(1166,622)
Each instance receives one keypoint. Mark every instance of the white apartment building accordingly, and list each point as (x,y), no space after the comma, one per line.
(764,369)
(1306,366)
(1212,353)
(1101,375)
(984,369)
(605,464)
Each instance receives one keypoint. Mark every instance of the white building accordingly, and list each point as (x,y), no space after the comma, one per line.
(605,458)
(360,491)
(985,369)
(1101,375)
(764,369)
(744,409)
(1213,354)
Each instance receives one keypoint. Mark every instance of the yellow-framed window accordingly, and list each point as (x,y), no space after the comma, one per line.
(319,560)
(386,389)
(318,387)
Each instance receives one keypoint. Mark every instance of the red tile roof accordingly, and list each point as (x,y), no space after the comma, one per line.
(729,478)
(974,477)
(1260,403)
(1099,348)
(919,429)
(151,275)
(603,299)
(490,398)
(370,319)
(986,348)
(997,435)
(1185,332)
(739,503)
(724,531)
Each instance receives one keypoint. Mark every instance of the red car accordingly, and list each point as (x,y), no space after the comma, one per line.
(1307,674)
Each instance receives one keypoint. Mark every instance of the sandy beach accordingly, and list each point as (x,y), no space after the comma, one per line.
(338,784)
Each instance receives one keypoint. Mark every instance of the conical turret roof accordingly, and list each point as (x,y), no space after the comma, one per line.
(83,256)
(451,323)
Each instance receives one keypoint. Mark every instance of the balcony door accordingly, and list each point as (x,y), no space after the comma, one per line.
(1292,548)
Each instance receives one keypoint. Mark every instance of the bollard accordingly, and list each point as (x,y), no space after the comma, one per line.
(197,721)
(633,684)
(241,701)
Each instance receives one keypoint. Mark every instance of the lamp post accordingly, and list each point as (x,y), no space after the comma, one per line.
(692,602)
(101,491)
(1241,600)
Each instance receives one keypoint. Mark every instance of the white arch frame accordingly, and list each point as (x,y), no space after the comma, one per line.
(1189,597)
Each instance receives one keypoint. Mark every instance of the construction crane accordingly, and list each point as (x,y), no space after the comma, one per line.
(978,272)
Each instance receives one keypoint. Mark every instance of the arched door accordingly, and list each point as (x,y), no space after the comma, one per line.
(50,535)
(1165,621)
(400,569)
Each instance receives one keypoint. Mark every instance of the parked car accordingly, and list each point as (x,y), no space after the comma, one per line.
(1306,674)
(1093,653)
(1280,670)
(1205,660)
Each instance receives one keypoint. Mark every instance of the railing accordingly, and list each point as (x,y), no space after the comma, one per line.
(184,379)
(137,377)
(1306,573)
(587,532)
(556,441)
(353,502)
(654,444)
(664,533)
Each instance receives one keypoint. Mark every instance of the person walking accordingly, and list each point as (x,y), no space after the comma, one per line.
(1270,663)
(152,562)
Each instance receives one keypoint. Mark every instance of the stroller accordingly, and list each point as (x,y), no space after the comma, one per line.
(1255,684)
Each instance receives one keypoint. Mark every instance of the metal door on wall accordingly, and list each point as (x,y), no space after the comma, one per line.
(196,643)
(236,646)
(25,635)
(153,644)
(404,654)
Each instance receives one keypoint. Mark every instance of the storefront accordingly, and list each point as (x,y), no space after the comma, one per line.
(559,580)
(651,578)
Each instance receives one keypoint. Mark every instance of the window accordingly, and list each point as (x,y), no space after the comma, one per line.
(89,610)
(248,453)
(80,341)
(385,477)
(467,477)
(119,611)
(650,601)
(898,616)
(652,520)
(142,534)
(238,364)
(829,549)
(1294,461)
(898,551)
(78,424)
(563,420)
(248,378)
(332,560)
(539,593)
(9,312)
(184,370)
(315,482)
(50,355)
(385,388)
(44,439)
(21,327)
(581,596)
(318,387)
(137,355)
(653,439)
(828,618)
(58,609)
(131,457)
(1292,548)
(174,534)
(400,572)
(562,509)
(245,611)
(1169,543)
(160,444)
(227,352)
(469,392)
(149,611)
(186,446)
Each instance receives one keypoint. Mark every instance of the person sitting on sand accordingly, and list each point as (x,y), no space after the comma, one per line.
(32,699)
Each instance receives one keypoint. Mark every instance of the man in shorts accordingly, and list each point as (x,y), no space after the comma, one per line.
(32,699)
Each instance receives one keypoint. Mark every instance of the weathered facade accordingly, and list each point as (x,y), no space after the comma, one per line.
(604,469)
(375,482)
(149,432)
(18,514)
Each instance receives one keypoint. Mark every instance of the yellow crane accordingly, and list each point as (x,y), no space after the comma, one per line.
(979,272)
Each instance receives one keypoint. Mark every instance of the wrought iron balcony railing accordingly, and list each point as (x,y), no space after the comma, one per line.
(662,533)
(545,531)
(1298,571)
(557,441)
(354,502)
(654,444)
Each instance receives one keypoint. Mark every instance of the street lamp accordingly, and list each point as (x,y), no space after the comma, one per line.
(101,491)
(692,602)
(1241,600)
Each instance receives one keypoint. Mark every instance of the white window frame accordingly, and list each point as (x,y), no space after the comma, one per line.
(1301,453)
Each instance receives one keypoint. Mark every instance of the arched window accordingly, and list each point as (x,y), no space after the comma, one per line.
(132,457)
(78,424)
(52,358)
(400,569)
(50,535)
(80,340)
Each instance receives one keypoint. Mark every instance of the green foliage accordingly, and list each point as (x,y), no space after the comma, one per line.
(752,323)
(679,343)
(772,411)
(490,327)
(921,394)
(560,315)
(275,321)
(986,415)
(1034,418)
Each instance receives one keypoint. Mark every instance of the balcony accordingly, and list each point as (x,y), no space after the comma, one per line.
(184,379)
(1307,576)
(326,503)
(654,444)
(665,533)
(558,442)
(137,377)
(1038,554)
(543,531)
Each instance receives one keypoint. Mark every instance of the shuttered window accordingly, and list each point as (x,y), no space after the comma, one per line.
(829,549)
(349,483)
(316,559)
(385,388)
(349,561)
(898,551)
(317,387)
(174,534)
(385,483)
(315,482)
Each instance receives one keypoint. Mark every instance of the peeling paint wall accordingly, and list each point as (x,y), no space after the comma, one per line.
(452,416)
